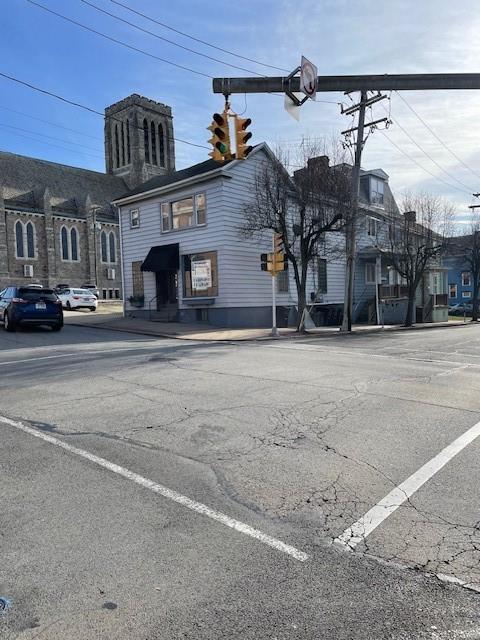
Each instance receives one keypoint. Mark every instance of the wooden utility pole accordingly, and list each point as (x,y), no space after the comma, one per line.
(348,84)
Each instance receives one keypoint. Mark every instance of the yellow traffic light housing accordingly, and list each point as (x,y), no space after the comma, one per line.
(242,136)
(220,139)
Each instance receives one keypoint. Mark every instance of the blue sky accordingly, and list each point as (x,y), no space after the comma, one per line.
(341,37)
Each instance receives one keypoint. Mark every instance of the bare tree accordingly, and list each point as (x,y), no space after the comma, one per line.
(417,238)
(302,208)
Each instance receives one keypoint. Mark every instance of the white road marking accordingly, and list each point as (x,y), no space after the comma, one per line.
(76,353)
(203,509)
(358,531)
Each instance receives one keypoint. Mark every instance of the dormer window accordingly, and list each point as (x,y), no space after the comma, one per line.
(376,191)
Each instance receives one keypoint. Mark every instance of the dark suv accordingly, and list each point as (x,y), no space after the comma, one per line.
(30,305)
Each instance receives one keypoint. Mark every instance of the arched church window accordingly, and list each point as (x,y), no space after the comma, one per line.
(154,143)
(123,144)
(117,147)
(146,141)
(30,240)
(19,239)
(64,242)
(74,243)
(161,145)
(128,142)
(103,246)
(112,246)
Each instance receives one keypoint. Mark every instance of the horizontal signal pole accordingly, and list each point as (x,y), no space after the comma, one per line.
(384,82)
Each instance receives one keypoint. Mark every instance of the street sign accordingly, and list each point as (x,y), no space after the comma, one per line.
(308,78)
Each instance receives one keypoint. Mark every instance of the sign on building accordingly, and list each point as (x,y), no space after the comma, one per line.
(201,271)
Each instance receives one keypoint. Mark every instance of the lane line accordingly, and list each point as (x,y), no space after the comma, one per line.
(363,527)
(76,353)
(193,505)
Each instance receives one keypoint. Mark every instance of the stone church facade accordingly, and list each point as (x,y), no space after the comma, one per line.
(57,223)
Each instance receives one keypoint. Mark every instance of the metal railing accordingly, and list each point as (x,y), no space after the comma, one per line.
(392,291)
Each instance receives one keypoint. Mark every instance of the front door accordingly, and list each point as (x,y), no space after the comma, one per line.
(166,288)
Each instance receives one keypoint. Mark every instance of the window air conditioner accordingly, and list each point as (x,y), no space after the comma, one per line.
(28,270)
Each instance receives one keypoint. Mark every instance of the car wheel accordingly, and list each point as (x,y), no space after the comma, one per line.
(93,308)
(68,305)
(57,327)
(7,323)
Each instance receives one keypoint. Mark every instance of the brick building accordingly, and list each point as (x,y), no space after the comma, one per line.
(57,223)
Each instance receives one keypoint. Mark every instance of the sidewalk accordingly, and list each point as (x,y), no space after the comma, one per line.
(113,320)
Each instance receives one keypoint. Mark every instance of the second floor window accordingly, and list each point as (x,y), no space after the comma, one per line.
(466,279)
(181,214)
(376,191)
(371,227)
(134,218)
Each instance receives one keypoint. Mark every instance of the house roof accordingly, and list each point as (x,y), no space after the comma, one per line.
(23,180)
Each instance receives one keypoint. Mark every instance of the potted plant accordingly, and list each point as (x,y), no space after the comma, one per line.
(137,301)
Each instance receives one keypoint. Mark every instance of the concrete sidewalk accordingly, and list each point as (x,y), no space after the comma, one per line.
(113,320)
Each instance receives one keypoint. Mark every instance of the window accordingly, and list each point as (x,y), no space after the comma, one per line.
(112,245)
(69,243)
(371,226)
(466,279)
(146,142)
(184,213)
(161,145)
(282,281)
(322,275)
(467,294)
(123,144)
(370,274)
(128,141)
(103,246)
(154,143)
(117,294)
(24,239)
(117,146)
(200,278)
(376,191)
(19,239)
(137,279)
(104,294)
(452,290)
(134,218)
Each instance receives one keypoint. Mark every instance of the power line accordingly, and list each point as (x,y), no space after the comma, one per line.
(437,137)
(452,177)
(51,144)
(186,35)
(120,42)
(53,124)
(43,135)
(412,159)
(176,44)
(82,106)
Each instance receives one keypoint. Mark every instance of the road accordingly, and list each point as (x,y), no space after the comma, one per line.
(298,489)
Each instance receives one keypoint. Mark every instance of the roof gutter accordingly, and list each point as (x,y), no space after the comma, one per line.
(169,187)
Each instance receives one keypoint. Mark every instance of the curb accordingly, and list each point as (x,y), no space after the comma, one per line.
(293,336)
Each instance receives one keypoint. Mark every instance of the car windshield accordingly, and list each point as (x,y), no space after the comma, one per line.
(82,292)
(37,294)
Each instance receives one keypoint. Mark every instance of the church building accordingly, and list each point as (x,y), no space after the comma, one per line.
(57,222)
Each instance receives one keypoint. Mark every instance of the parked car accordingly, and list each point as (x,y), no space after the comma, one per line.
(78,299)
(461,309)
(30,305)
(93,288)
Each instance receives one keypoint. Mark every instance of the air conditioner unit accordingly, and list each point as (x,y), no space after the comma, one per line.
(111,273)
(28,270)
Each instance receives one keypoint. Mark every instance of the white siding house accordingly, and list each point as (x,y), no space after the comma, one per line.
(237,292)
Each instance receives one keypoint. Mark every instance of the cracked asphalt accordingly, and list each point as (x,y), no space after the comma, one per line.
(296,438)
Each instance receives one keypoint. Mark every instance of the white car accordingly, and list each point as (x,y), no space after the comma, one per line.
(78,299)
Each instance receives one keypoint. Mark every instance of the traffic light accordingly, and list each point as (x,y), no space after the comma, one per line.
(265,261)
(280,262)
(242,136)
(220,139)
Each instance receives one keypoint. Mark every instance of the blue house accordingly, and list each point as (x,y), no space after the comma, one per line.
(460,283)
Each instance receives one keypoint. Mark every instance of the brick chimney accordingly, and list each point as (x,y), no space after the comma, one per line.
(410,216)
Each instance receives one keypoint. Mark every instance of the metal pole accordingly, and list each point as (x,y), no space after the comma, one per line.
(274,331)
(378,280)
(351,225)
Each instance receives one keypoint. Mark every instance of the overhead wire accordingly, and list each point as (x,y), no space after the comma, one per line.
(52,144)
(53,124)
(44,135)
(427,126)
(186,35)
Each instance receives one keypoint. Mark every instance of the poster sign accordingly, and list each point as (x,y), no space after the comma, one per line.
(201,271)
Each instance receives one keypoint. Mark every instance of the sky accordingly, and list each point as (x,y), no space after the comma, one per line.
(341,37)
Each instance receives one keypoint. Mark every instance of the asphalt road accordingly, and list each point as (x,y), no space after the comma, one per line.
(162,489)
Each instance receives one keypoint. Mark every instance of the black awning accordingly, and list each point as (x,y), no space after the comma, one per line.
(162,258)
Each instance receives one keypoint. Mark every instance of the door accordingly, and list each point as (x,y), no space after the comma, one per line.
(166,288)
